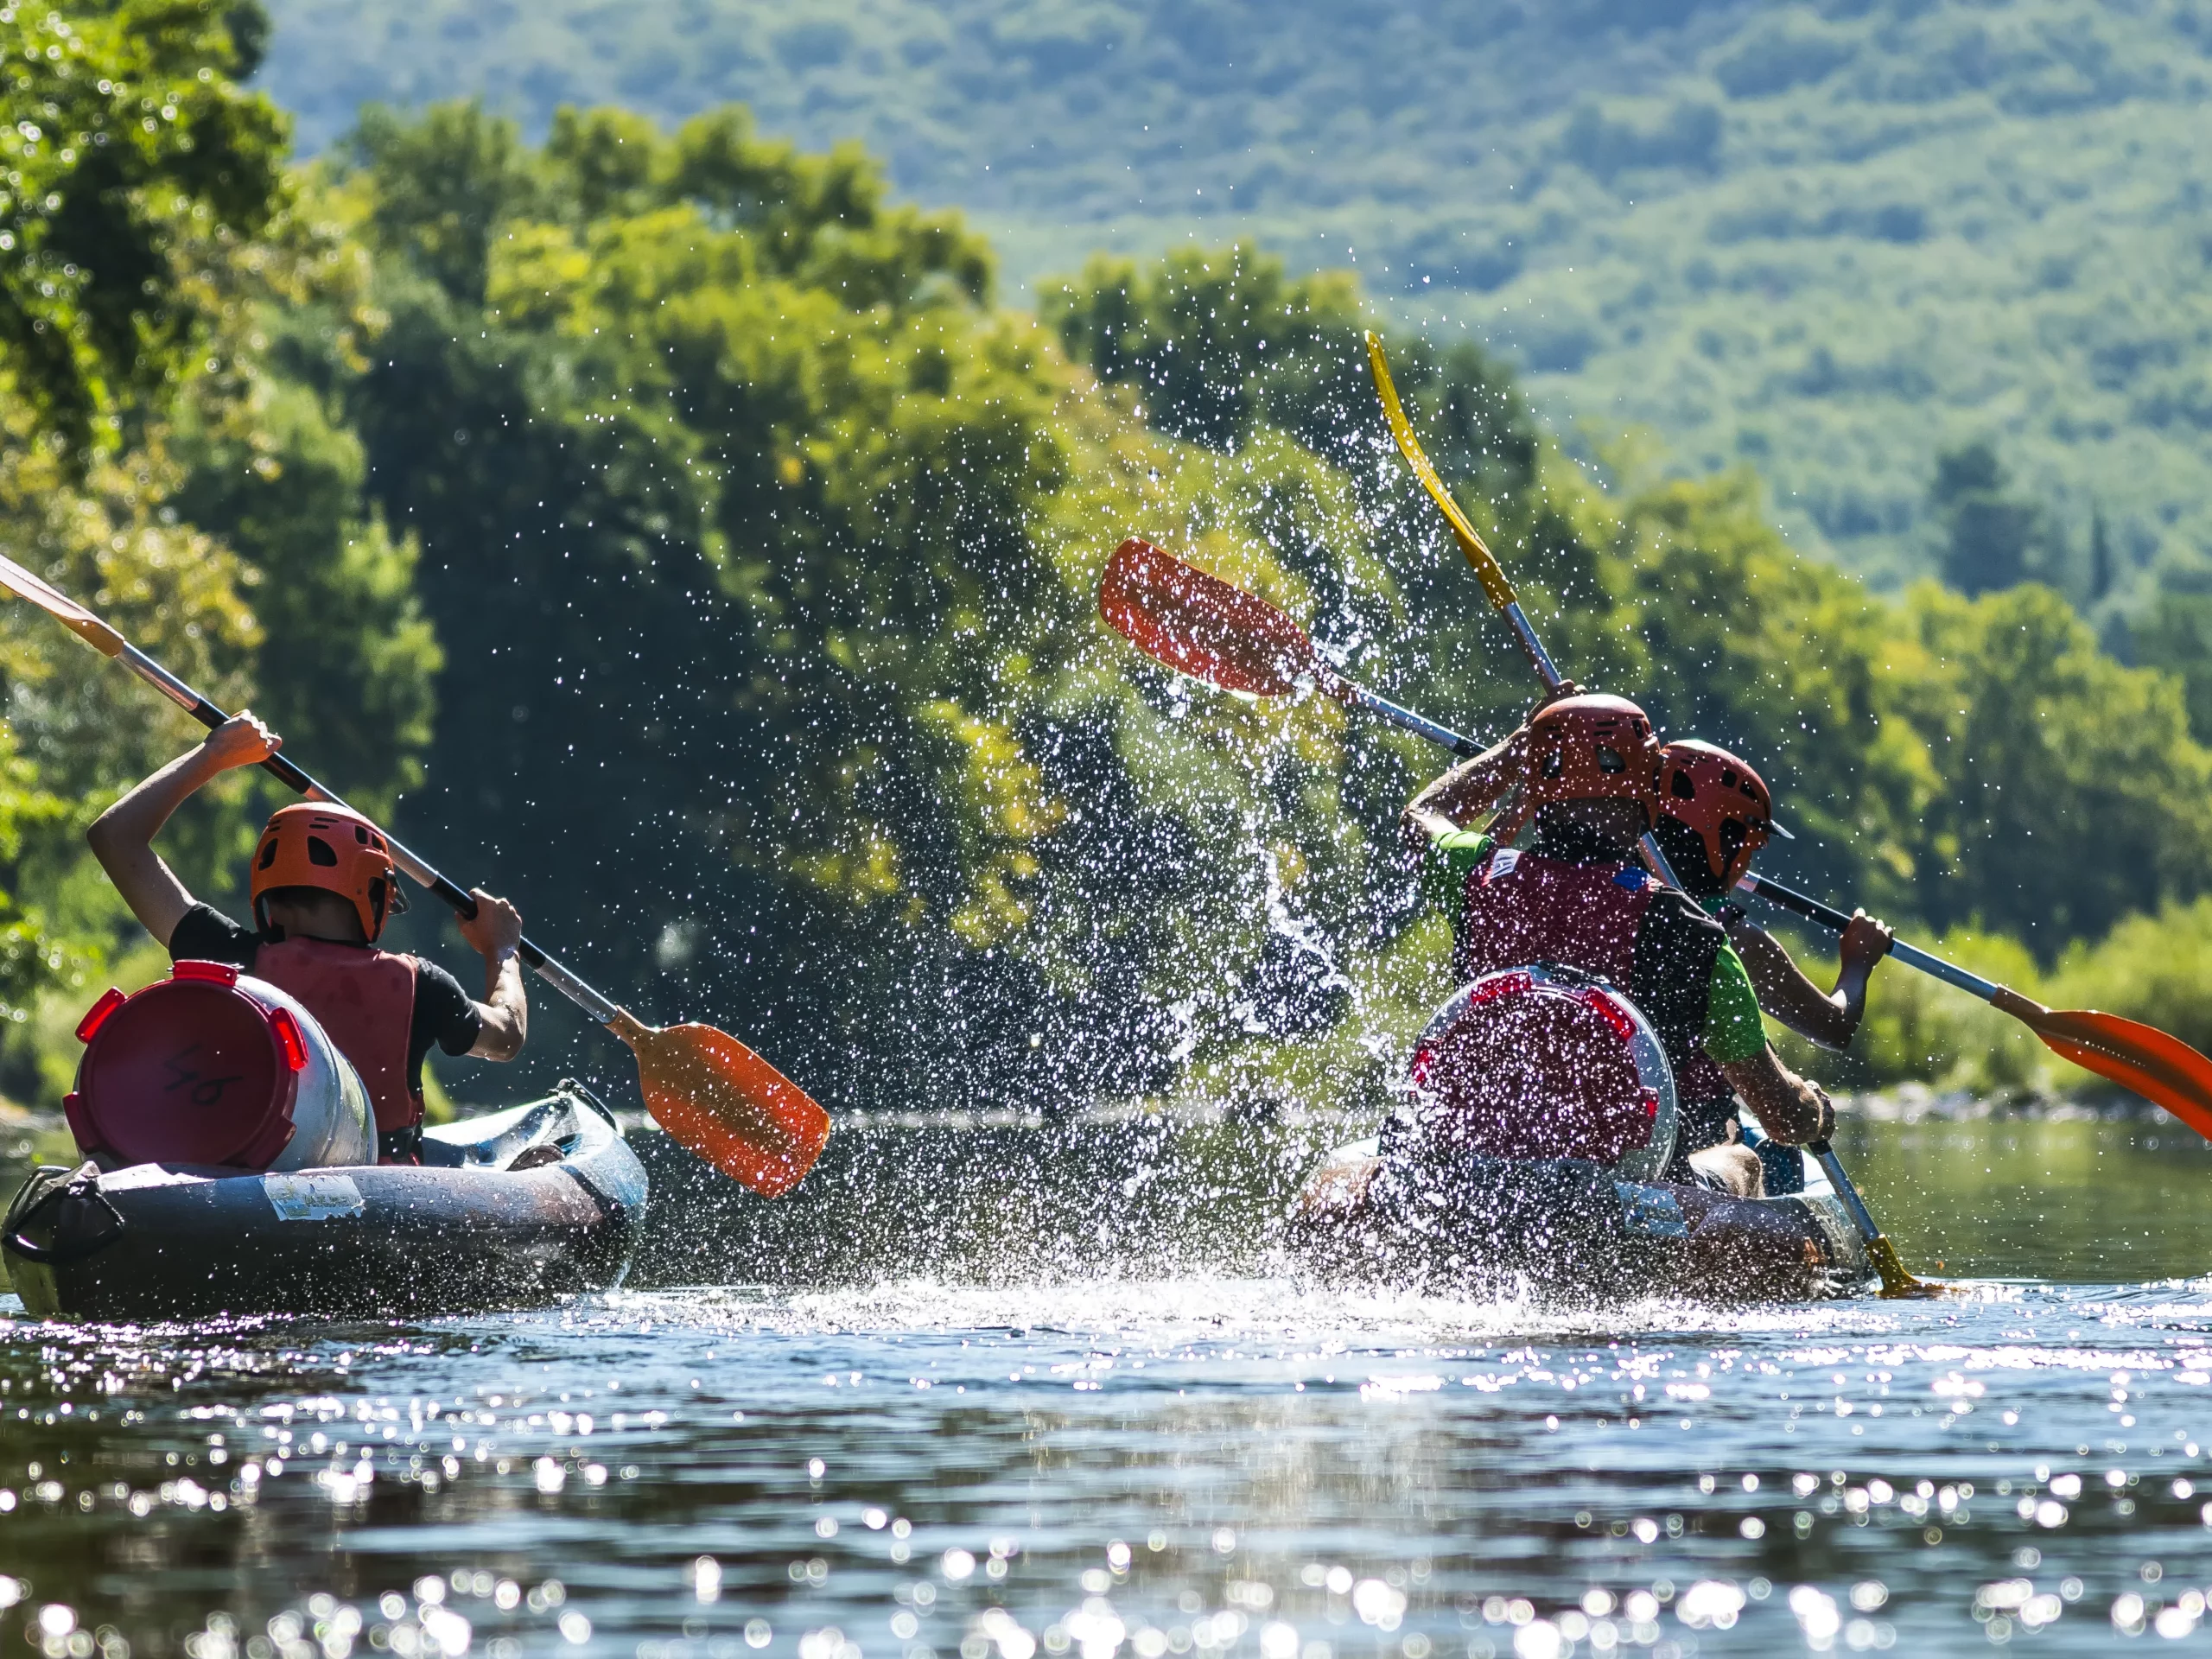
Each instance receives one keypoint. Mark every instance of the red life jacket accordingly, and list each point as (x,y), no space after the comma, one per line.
(1521,907)
(364,998)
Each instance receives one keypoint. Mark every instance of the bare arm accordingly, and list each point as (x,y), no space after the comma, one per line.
(123,836)
(495,931)
(1472,788)
(1462,794)
(1791,1108)
(1784,992)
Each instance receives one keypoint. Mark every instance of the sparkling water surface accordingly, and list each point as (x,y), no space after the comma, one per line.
(1214,1460)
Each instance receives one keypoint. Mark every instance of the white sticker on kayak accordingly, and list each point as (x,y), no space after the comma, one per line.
(1652,1212)
(313,1198)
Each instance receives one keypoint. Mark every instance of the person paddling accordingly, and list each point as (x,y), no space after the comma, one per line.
(322,888)
(1588,768)
(1715,813)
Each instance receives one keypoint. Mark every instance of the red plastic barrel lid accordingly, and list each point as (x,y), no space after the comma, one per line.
(1536,1071)
(190,1071)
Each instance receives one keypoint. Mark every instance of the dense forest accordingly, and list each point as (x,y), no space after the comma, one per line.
(689,540)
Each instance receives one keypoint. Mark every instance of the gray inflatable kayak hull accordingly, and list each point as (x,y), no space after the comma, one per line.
(515,1209)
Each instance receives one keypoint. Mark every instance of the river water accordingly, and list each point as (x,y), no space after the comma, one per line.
(947,1451)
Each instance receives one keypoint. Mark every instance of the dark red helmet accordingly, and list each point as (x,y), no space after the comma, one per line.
(1719,797)
(1586,747)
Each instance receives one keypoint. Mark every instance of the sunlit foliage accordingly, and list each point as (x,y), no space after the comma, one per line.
(752,548)
(1829,240)
(151,252)
(131,160)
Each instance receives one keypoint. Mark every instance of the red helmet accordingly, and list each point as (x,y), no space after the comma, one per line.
(1589,747)
(1713,793)
(332,848)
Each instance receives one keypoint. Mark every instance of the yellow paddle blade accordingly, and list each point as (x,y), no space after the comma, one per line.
(722,1102)
(2155,1064)
(64,609)
(1897,1284)
(1478,551)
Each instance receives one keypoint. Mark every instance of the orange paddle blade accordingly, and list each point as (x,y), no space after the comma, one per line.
(1200,626)
(2157,1065)
(724,1103)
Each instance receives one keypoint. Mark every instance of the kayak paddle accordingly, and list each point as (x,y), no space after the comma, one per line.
(2152,1063)
(1488,571)
(713,1094)
(1203,626)
(1896,1281)
(2160,1067)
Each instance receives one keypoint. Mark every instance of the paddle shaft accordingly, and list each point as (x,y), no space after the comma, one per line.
(1419,725)
(1495,583)
(1896,1279)
(547,966)
(1836,921)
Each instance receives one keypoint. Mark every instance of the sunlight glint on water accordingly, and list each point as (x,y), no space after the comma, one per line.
(1102,1468)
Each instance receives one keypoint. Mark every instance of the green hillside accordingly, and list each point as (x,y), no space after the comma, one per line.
(1831,241)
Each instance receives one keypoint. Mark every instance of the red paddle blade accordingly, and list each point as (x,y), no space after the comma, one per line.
(2155,1064)
(1200,626)
(722,1102)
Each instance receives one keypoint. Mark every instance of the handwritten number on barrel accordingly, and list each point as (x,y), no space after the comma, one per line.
(206,1091)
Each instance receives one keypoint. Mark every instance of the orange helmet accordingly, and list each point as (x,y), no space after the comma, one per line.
(1721,801)
(1588,747)
(334,849)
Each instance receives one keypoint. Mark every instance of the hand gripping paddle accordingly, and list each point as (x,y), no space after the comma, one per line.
(2160,1067)
(714,1096)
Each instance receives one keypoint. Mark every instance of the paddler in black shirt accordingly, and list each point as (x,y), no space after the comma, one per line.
(323,885)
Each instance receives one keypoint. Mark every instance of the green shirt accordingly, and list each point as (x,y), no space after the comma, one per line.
(1732,1030)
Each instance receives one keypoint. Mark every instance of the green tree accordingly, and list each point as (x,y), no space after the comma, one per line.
(727,493)
(2176,636)
(1991,539)
(2073,793)
(1217,341)
(159,460)
(129,155)
(348,659)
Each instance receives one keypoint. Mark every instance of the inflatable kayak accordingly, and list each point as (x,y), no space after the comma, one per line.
(1566,1226)
(1536,1143)
(515,1209)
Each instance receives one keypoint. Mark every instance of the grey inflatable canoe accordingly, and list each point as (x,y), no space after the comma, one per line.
(515,1209)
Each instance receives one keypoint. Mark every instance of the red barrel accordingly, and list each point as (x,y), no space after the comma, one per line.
(1543,1062)
(211,1066)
